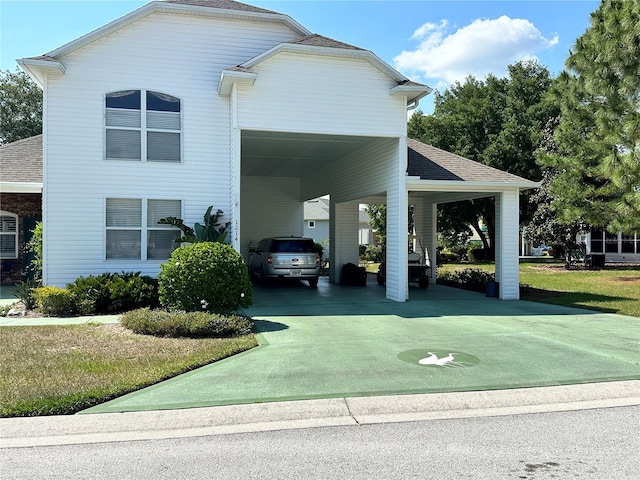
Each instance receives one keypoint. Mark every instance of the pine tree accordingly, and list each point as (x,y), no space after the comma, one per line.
(597,162)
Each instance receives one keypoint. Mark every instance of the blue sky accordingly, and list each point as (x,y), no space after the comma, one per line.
(431,41)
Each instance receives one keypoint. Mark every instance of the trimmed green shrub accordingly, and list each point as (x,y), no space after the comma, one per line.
(161,323)
(206,276)
(470,278)
(447,257)
(114,292)
(55,301)
(373,253)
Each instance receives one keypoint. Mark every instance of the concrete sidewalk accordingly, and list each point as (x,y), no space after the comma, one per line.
(195,422)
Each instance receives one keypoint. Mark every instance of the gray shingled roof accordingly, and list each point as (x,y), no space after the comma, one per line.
(317,209)
(223,4)
(316,40)
(21,161)
(431,163)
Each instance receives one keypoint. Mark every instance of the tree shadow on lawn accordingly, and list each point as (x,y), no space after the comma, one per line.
(571,299)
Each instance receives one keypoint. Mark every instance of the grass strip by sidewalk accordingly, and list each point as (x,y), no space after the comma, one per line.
(53,370)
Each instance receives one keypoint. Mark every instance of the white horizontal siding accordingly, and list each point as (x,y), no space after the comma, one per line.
(320,94)
(507,235)
(366,171)
(344,237)
(179,55)
(270,207)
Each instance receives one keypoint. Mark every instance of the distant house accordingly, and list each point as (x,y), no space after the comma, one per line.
(316,219)
(616,247)
(20,203)
(182,104)
(316,222)
(366,235)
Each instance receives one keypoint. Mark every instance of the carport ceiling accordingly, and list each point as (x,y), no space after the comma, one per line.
(280,154)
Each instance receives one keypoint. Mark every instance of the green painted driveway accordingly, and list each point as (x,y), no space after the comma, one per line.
(335,341)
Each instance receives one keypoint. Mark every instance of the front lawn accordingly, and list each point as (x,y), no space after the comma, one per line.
(614,289)
(49,370)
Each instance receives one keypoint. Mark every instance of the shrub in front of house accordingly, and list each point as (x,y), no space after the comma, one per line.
(114,292)
(470,279)
(161,323)
(55,301)
(373,253)
(205,276)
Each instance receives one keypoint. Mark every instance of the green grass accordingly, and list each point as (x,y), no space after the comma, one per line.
(612,289)
(52,370)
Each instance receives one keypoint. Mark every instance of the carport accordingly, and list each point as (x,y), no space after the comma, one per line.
(279,171)
(315,117)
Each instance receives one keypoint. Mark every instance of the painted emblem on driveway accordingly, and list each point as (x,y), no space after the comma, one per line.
(438,358)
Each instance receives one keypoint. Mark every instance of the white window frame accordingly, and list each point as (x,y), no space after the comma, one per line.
(143,228)
(143,129)
(312,224)
(14,234)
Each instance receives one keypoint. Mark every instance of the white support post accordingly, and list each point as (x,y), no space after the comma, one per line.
(397,237)
(430,237)
(343,237)
(507,230)
(236,159)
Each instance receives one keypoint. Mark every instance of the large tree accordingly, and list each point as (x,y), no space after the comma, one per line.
(20,107)
(597,162)
(545,227)
(498,122)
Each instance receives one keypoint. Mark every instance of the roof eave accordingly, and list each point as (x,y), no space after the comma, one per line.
(413,92)
(416,183)
(37,68)
(330,52)
(230,77)
(164,7)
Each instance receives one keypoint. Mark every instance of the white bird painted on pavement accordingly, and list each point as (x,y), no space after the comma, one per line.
(430,360)
(445,360)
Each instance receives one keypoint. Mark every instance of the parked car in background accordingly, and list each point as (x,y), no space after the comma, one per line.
(285,258)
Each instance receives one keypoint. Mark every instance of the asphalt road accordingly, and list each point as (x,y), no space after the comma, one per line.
(587,444)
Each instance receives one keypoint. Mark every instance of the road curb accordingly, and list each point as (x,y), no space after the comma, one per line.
(194,422)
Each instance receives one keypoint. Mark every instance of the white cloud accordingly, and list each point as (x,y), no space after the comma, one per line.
(482,47)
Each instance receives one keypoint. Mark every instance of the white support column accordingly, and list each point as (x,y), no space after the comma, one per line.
(236,159)
(430,237)
(343,237)
(418,222)
(397,221)
(426,231)
(507,229)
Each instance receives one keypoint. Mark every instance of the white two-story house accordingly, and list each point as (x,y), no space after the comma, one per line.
(182,104)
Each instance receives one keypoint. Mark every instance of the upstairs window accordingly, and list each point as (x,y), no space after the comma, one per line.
(8,235)
(142,125)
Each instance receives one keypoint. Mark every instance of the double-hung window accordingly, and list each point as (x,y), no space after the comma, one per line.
(8,235)
(133,232)
(142,125)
